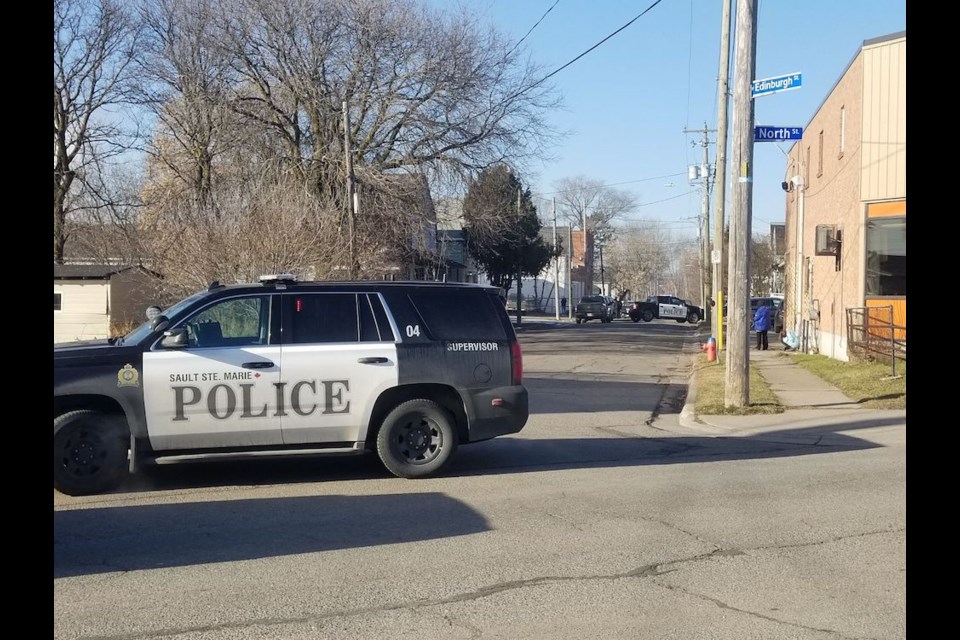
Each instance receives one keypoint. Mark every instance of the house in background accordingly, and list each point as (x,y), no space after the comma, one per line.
(542,293)
(93,301)
(846,209)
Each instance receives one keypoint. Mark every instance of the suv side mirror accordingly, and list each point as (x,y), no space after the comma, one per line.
(159,323)
(175,338)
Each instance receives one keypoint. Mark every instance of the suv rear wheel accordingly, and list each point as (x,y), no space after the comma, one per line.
(416,439)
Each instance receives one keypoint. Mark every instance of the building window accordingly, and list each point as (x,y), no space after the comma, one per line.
(887,257)
(56,301)
(820,156)
(843,130)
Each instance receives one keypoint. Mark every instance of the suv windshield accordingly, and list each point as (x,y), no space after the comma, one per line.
(145,329)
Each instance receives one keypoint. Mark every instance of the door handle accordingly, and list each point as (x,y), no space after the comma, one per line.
(257,365)
(376,360)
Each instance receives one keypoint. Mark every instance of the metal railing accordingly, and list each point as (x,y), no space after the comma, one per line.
(873,335)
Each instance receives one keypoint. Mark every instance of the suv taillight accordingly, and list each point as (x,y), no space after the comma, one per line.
(516,358)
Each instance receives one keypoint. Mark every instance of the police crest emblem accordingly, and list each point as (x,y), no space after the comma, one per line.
(128,376)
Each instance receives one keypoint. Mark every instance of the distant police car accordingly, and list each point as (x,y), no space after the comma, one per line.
(409,370)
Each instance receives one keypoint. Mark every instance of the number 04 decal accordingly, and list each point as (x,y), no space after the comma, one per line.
(413,330)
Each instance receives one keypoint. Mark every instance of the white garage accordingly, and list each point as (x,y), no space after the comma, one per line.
(93,301)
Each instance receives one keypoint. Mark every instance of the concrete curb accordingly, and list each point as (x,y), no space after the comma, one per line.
(688,415)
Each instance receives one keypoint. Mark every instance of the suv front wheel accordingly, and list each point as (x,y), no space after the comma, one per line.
(90,452)
(416,439)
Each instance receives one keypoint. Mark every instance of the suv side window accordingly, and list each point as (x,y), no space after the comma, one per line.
(459,315)
(374,326)
(231,323)
(311,318)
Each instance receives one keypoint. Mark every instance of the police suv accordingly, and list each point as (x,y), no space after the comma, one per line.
(408,370)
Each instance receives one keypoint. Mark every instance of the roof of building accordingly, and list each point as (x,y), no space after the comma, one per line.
(87,271)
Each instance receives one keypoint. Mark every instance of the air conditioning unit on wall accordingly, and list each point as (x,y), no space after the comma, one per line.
(827,240)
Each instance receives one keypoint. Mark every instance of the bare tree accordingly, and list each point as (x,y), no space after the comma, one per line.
(427,90)
(103,226)
(262,229)
(763,265)
(640,259)
(93,46)
(582,200)
(185,81)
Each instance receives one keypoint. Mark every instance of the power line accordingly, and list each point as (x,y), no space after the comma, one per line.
(647,204)
(556,71)
(561,68)
(533,27)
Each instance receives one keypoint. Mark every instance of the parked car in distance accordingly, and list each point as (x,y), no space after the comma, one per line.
(594,308)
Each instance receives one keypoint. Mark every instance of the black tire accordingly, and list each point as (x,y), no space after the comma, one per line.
(416,439)
(578,320)
(90,452)
(693,318)
(647,315)
(635,319)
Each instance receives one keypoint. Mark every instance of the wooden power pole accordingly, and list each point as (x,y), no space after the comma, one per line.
(704,232)
(737,388)
(519,264)
(723,98)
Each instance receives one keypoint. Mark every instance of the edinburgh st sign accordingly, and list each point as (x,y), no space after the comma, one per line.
(776,84)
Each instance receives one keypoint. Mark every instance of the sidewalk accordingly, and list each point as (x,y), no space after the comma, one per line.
(804,395)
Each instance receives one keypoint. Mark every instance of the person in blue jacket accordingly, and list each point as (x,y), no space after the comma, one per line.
(761,324)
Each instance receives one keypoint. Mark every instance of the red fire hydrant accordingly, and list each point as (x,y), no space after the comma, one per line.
(711,349)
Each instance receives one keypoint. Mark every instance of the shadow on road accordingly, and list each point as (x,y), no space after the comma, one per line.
(107,539)
(130,538)
(517,455)
(606,392)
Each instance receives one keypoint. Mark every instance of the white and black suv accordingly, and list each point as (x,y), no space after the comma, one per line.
(409,370)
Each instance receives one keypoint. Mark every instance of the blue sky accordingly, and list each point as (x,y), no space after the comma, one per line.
(629,101)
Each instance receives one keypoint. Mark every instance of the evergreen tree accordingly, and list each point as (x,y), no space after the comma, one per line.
(505,242)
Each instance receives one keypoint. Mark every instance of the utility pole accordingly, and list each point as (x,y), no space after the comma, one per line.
(569,271)
(351,193)
(603,285)
(705,173)
(587,264)
(519,265)
(737,388)
(723,98)
(556,263)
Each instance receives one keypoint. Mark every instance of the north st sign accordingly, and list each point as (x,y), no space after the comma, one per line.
(776,84)
(776,134)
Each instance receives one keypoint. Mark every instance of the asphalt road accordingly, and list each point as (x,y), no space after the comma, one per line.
(604,518)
